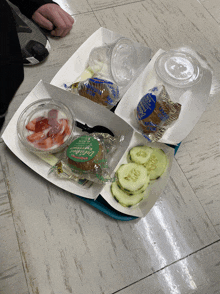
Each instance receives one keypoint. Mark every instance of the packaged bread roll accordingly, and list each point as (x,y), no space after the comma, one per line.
(88,158)
(86,153)
(156,112)
(98,90)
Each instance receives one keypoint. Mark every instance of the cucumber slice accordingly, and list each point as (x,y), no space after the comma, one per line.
(140,154)
(123,198)
(141,190)
(132,176)
(157,164)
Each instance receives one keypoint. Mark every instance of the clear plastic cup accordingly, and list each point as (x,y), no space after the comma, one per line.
(46,126)
(179,69)
(117,61)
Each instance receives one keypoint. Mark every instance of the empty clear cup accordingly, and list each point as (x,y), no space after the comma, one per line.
(117,61)
(179,69)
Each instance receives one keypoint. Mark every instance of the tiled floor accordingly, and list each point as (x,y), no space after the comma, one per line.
(52,242)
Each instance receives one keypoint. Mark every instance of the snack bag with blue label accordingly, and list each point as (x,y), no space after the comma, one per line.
(156,112)
(101,91)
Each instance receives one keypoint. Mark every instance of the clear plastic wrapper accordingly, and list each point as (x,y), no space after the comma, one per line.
(88,158)
(98,90)
(156,112)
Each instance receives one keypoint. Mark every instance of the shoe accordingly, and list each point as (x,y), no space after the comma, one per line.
(34,44)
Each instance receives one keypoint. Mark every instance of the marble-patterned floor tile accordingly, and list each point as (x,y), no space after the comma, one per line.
(12,278)
(196,274)
(103,4)
(199,159)
(167,24)
(74,7)
(66,244)
(213,7)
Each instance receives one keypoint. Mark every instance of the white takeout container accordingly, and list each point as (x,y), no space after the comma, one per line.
(79,61)
(193,100)
(154,189)
(85,111)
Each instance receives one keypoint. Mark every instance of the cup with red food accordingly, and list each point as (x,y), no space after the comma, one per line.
(46,126)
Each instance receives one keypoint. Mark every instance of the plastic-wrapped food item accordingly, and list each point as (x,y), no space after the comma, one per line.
(98,90)
(87,157)
(156,113)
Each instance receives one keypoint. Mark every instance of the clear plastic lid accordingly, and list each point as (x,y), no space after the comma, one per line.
(45,126)
(178,69)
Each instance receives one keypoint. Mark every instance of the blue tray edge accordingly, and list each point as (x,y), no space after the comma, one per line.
(104,207)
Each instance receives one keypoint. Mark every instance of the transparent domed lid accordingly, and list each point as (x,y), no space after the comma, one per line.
(178,69)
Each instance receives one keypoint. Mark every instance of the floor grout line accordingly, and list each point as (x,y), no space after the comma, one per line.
(197,196)
(92,10)
(113,6)
(208,12)
(172,263)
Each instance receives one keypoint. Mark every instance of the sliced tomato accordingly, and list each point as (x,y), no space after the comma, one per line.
(36,137)
(41,124)
(44,144)
(54,130)
(59,138)
(31,125)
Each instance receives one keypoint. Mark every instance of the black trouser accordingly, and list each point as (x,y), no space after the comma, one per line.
(11,64)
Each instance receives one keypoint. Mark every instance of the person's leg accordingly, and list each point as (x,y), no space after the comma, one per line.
(11,64)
